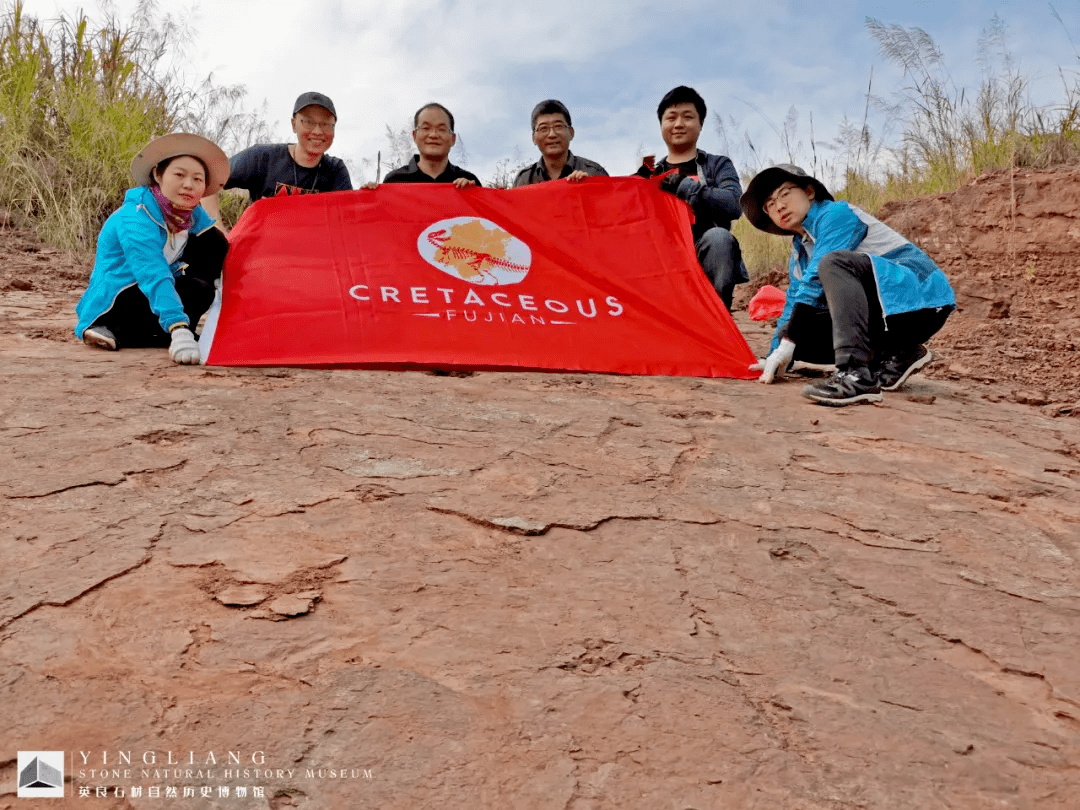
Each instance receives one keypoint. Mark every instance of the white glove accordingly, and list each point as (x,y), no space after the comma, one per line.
(184,349)
(776,362)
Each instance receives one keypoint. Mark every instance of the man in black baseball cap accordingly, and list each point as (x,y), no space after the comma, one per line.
(269,170)
(314,99)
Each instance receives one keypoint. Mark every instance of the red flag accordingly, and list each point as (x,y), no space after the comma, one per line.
(592,276)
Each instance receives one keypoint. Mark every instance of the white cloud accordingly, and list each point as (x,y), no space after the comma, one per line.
(609,61)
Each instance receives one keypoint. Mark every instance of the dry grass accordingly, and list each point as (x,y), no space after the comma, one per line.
(78,100)
(762,252)
(950,134)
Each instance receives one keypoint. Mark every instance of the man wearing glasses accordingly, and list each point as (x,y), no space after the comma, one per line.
(552,133)
(860,295)
(433,134)
(269,170)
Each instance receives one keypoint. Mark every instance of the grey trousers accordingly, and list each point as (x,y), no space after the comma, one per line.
(854,332)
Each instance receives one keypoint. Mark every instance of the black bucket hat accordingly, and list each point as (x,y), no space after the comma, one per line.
(765,183)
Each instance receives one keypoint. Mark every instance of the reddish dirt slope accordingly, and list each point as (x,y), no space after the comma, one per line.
(1010,243)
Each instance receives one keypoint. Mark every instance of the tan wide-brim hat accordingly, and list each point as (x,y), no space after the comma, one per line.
(182,143)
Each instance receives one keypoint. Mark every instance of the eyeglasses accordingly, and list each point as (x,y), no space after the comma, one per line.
(427,129)
(781,193)
(544,129)
(311,126)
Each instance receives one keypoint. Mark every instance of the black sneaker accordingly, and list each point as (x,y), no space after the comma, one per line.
(895,370)
(845,387)
(99,337)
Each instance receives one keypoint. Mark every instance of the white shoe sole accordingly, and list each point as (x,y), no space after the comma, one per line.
(99,340)
(858,399)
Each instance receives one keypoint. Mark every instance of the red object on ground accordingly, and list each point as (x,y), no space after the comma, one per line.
(767,303)
(593,276)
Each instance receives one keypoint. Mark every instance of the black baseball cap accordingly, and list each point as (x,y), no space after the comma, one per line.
(318,99)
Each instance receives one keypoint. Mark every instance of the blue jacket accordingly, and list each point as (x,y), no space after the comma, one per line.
(907,279)
(130,251)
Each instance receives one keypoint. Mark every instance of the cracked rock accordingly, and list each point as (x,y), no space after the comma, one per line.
(520,524)
(290,605)
(728,597)
(242,595)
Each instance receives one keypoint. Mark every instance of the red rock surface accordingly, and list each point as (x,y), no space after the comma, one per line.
(530,590)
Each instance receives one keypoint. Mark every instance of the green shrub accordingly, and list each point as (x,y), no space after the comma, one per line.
(232,203)
(948,135)
(952,135)
(762,252)
(77,102)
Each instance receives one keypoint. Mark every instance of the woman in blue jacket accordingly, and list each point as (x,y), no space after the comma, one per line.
(860,296)
(159,254)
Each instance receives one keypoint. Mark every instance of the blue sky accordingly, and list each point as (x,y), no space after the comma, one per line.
(610,62)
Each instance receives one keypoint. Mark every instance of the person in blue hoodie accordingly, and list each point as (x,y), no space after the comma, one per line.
(860,295)
(159,254)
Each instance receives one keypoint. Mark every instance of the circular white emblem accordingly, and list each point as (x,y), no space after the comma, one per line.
(475,250)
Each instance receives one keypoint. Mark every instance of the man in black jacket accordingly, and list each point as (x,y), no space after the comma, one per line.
(708,183)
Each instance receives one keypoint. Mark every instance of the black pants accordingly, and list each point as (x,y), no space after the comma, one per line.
(720,257)
(135,324)
(853,332)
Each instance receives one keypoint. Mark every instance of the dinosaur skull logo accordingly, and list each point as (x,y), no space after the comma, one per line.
(475,250)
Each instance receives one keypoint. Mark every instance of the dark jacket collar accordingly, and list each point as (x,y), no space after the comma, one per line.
(414,167)
(571,164)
